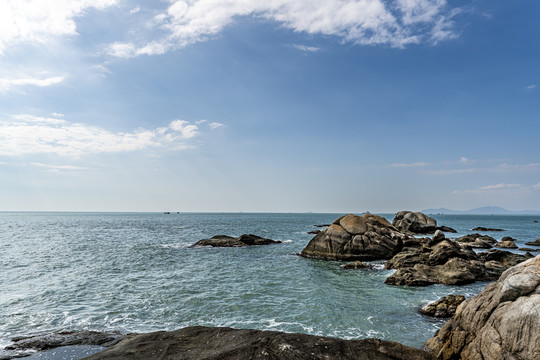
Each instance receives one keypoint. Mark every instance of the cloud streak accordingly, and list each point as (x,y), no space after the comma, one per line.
(28,134)
(365,22)
(489,189)
(7,84)
(408,165)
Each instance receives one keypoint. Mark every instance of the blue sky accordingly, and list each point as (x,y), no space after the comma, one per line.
(229,105)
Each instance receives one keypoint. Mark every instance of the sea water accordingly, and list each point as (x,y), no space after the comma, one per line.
(135,272)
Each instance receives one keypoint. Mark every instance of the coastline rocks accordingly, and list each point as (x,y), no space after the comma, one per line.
(502,322)
(477,241)
(353,237)
(534,243)
(61,339)
(444,307)
(358,265)
(481,228)
(506,244)
(229,241)
(415,222)
(197,343)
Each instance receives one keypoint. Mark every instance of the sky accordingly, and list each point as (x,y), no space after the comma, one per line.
(269,105)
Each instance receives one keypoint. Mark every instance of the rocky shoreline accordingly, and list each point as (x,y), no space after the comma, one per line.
(502,322)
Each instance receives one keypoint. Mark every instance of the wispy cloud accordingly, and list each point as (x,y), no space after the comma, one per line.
(39,21)
(499,168)
(135,10)
(215,125)
(407,165)
(366,22)
(464,160)
(58,168)
(28,134)
(7,84)
(536,186)
(531,87)
(489,188)
(305,48)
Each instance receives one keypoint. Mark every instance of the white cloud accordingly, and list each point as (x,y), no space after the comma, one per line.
(536,186)
(499,187)
(6,84)
(415,164)
(306,48)
(395,23)
(531,87)
(28,134)
(135,10)
(500,168)
(38,21)
(464,160)
(216,125)
(58,168)
(57,115)
(489,188)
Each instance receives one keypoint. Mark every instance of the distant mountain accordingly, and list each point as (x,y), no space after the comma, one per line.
(485,210)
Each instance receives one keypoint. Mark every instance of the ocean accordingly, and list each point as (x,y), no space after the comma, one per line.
(135,272)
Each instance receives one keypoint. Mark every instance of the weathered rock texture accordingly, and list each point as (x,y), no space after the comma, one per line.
(507,244)
(417,223)
(229,241)
(358,265)
(444,307)
(51,341)
(502,322)
(197,343)
(477,241)
(353,237)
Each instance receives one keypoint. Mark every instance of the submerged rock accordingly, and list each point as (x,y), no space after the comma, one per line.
(353,237)
(444,307)
(481,228)
(198,343)
(502,322)
(229,241)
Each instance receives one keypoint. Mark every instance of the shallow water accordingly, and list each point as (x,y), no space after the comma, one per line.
(135,273)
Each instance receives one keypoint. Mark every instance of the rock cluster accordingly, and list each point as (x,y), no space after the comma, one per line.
(477,241)
(414,222)
(353,237)
(502,322)
(198,343)
(229,241)
(444,307)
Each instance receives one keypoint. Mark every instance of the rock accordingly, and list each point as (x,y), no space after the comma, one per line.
(51,341)
(481,228)
(198,343)
(314,232)
(352,237)
(477,241)
(508,244)
(322,225)
(229,241)
(438,236)
(529,249)
(446,229)
(502,322)
(358,265)
(505,258)
(414,222)
(534,243)
(444,307)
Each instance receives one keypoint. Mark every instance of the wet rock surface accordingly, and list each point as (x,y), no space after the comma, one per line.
(353,237)
(357,265)
(502,322)
(197,343)
(444,307)
(229,241)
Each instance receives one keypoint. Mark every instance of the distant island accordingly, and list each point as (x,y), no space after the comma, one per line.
(485,210)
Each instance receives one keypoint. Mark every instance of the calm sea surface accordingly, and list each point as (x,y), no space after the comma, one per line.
(135,273)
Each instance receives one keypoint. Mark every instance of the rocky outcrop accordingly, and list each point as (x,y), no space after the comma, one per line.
(353,237)
(229,241)
(533,243)
(357,265)
(51,341)
(444,307)
(477,241)
(449,263)
(502,322)
(481,228)
(506,244)
(417,223)
(198,343)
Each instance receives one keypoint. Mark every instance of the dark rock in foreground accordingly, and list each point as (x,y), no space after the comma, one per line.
(533,243)
(51,341)
(502,322)
(529,249)
(229,241)
(444,307)
(198,343)
(353,237)
(481,228)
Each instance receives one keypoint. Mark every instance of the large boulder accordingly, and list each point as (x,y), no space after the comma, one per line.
(353,237)
(444,307)
(418,223)
(229,241)
(198,343)
(502,322)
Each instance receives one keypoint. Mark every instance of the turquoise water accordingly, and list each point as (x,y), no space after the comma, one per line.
(135,273)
